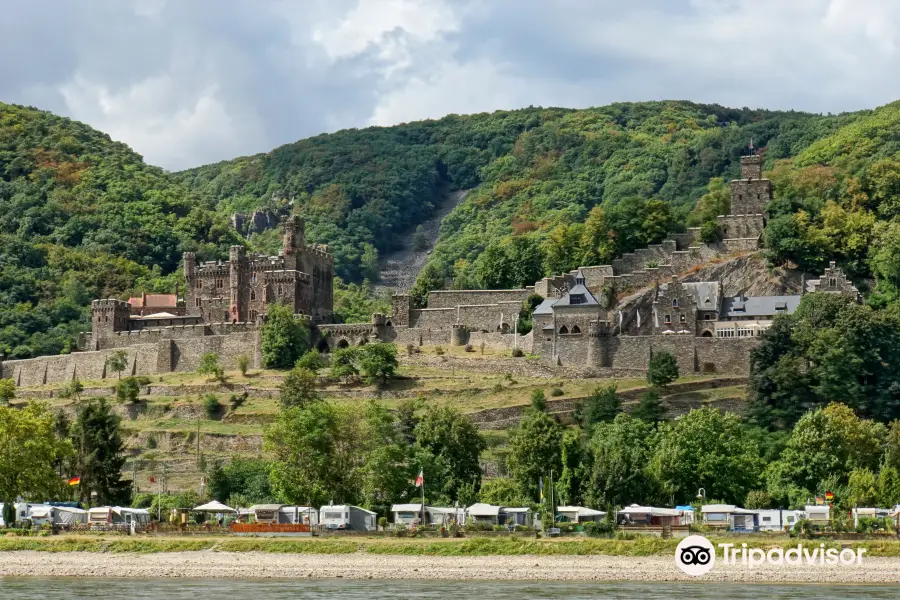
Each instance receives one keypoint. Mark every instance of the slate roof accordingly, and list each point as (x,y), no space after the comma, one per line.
(759,306)
(578,290)
(545,307)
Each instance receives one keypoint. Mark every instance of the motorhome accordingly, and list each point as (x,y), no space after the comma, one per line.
(347,517)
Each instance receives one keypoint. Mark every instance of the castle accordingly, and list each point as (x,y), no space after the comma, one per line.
(596,319)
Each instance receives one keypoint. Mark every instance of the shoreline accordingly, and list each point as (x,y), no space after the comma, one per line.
(361,566)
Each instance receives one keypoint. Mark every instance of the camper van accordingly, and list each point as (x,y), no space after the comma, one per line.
(347,517)
(102,516)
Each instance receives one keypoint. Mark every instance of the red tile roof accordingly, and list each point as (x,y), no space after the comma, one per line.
(155,300)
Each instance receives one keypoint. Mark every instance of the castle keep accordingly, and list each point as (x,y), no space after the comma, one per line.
(595,319)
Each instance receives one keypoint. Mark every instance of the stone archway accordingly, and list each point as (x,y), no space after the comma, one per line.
(323,346)
(343,343)
(706,334)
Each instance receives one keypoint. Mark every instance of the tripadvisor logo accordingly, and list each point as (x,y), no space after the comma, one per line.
(696,556)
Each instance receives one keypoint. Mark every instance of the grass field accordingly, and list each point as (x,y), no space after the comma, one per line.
(474,546)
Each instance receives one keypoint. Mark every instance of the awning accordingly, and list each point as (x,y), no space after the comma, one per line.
(213,507)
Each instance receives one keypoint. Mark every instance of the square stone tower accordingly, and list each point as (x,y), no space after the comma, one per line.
(750,193)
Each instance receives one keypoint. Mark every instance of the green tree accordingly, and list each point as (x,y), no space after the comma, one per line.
(246,476)
(716,201)
(650,408)
(298,388)
(99,455)
(209,366)
(7,390)
(534,449)
(312,360)
(574,467)
(117,361)
(826,445)
(709,232)
(888,487)
(757,499)
(369,262)
(707,449)
(601,406)
(454,442)
(862,489)
(128,390)
(344,364)
(419,240)
(285,338)
(538,400)
(620,452)
(243,364)
(72,389)
(662,369)
(503,491)
(378,362)
(29,450)
(301,443)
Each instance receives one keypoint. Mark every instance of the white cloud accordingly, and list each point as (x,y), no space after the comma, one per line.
(186,83)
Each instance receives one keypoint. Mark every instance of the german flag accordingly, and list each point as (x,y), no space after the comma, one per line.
(75,481)
(829,496)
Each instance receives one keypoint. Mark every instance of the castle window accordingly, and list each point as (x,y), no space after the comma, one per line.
(253,294)
(199,284)
(563,330)
(197,302)
(253,314)
(575,329)
(832,282)
(710,317)
(253,277)
(725,333)
(674,302)
(577,299)
(668,319)
(740,196)
(744,332)
(220,283)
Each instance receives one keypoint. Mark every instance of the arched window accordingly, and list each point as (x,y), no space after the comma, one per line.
(674,302)
(343,344)
(389,324)
(576,329)
(253,294)
(563,330)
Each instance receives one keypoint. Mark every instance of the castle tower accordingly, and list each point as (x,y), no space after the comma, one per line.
(293,241)
(751,167)
(237,274)
(107,317)
(190,280)
(751,193)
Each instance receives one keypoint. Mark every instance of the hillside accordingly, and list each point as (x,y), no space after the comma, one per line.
(84,217)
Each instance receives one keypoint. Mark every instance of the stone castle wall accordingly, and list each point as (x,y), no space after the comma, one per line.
(161,356)
(454,298)
(694,354)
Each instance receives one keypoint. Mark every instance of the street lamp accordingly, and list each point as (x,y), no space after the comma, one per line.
(701,494)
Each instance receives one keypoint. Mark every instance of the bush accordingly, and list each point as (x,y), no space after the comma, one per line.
(498,387)
(151,443)
(243,363)
(72,389)
(518,353)
(382,522)
(557,392)
(481,347)
(237,400)
(343,364)
(298,388)
(285,337)
(709,232)
(209,366)
(469,348)
(311,361)
(212,408)
(662,370)
(127,390)
(439,350)
(758,499)
(409,349)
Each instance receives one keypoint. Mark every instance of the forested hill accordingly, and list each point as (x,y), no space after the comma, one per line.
(537,167)
(83,217)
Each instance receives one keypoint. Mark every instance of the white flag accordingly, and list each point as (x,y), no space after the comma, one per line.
(639,319)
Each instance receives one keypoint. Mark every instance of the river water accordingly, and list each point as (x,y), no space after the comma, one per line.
(35,588)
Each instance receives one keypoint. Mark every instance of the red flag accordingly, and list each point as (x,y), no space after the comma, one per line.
(420,480)
(75,481)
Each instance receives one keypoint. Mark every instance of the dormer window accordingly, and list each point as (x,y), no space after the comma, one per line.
(577,299)
(780,306)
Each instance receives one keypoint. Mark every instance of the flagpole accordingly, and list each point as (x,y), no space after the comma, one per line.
(422,471)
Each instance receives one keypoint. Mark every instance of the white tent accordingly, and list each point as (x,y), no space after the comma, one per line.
(213,507)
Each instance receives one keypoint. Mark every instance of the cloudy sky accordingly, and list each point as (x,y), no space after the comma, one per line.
(188,82)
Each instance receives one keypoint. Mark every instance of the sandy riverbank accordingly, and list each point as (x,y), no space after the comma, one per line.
(365,566)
